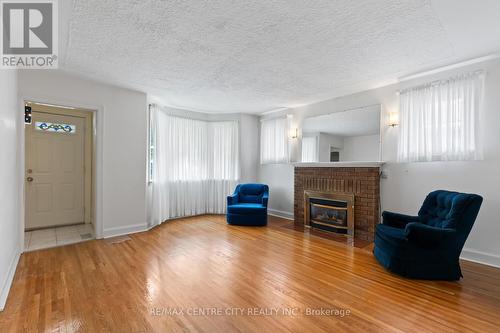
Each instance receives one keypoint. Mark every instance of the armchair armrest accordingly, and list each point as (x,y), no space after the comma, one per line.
(232,199)
(397,220)
(265,199)
(425,234)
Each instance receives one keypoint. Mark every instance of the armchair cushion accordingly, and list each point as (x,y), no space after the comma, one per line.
(251,192)
(429,236)
(445,209)
(247,208)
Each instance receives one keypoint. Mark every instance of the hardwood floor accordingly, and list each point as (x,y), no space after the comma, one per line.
(243,279)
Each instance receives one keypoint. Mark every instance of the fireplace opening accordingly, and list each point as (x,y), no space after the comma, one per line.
(330,212)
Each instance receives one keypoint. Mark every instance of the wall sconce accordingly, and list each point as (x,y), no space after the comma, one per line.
(294,133)
(393,119)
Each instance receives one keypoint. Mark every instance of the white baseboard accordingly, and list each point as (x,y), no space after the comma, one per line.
(10,277)
(280,213)
(481,257)
(129,229)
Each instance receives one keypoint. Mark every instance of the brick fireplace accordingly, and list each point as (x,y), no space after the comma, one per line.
(363,183)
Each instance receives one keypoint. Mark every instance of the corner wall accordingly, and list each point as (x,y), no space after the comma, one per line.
(407,184)
(10,238)
(249,148)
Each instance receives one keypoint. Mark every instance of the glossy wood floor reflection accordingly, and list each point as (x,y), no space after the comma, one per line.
(200,275)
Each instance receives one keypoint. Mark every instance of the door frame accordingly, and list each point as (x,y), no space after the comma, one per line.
(89,168)
(97,156)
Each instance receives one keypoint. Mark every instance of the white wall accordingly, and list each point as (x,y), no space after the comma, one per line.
(10,238)
(122,121)
(361,148)
(408,184)
(279,178)
(249,147)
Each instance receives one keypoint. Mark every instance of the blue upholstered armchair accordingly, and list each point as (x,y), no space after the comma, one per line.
(428,246)
(248,205)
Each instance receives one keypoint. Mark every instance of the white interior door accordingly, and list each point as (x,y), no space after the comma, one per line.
(55,170)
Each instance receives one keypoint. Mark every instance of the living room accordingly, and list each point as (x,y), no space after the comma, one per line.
(235,166)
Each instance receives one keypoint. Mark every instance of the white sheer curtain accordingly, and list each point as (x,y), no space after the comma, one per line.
(196,166)
(274,140)
(310,149)
(440,121)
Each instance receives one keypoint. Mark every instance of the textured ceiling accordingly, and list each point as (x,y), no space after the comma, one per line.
(256,56)
(356,122)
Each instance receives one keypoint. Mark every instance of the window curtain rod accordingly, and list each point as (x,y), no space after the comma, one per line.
(436,83)
(183,116)
(351,109)
(284,116)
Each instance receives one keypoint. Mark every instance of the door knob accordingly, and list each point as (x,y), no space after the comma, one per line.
(29,179)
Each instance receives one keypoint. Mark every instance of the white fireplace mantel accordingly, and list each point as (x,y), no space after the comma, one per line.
(362,164)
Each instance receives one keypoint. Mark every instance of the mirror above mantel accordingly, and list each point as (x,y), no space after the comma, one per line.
(346,136)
